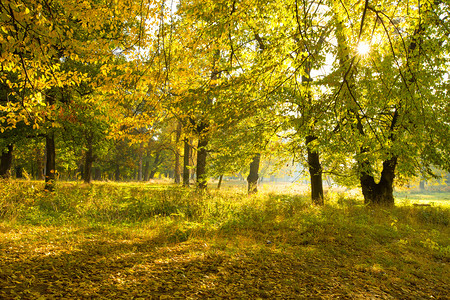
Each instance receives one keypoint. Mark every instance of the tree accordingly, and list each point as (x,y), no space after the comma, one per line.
(186,157)
(383,120)
(177,154)
(253,177)
(39,38)
(312,23)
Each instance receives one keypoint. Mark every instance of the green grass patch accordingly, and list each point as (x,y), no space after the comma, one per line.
(126,241)
(409,197)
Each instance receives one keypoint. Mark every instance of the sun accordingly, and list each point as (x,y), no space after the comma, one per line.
(363,48)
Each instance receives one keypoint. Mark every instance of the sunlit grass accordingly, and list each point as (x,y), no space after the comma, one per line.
(411,197)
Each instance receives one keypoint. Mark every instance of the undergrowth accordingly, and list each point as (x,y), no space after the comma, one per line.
(181,213)
(346,234)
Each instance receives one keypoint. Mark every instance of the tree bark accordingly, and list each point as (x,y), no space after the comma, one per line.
(220,182)
(252,177)
(202,180)
(381,193)
(315,172)
(186,157)
(6,162)
(50,165)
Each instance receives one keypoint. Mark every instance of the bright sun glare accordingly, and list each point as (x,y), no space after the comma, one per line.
(363,48)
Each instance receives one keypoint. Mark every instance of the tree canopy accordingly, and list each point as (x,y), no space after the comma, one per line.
(355,89)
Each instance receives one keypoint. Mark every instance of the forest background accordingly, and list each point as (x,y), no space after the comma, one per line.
(125,90)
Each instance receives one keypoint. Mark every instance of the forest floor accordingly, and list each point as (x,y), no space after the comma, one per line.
(141,241)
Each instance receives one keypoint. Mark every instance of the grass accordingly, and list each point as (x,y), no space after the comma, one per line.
(141,241)
(423,197)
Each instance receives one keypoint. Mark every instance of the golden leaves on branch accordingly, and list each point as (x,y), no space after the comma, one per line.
(42,45)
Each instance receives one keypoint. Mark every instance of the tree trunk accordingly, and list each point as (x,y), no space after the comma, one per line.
(6,162)
(381,193)
(192,161)
(155,165)
(202,180)
(89,159)
(252,177)
(50,165)
(202,129)
(177,170)
(146,171)
(220,182)
(315,173)
(186,156)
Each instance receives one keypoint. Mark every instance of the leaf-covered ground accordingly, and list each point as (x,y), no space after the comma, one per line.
(263,251)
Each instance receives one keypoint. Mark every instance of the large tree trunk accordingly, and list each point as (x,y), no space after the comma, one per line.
(315,173)
(252,177)
(202,180)
(380,193)
(89,159)
(186,157)
(6,162)
(177,170)
(50,165)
